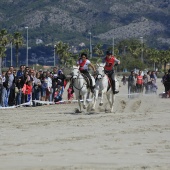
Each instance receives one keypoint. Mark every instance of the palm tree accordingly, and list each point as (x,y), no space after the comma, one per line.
(164,57)
(63,51)
(18,42)
(153,56)
(98,50)
(3,42)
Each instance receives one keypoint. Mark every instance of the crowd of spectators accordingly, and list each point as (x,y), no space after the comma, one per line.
(21,86)
(138,82)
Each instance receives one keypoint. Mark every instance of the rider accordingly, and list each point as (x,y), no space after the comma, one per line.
(110,61)
(84,64)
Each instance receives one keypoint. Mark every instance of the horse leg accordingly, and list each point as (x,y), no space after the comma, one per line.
(79,104)
(95,97)
(112,102)
(110,98)
(84,101)
(101,99)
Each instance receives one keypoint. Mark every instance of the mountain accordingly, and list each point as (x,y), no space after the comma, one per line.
(71,20)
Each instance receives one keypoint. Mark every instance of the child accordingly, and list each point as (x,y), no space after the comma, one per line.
(154,87)
(58,94)
(28,90)
(69,93)
(124,80)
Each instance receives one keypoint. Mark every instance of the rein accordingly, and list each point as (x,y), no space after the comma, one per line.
(77,79)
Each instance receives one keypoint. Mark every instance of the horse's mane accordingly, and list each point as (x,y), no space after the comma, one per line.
(75,67)
(101,65)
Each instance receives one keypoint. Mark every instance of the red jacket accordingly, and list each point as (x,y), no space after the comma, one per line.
(28,89)
(109,63)
(139,79)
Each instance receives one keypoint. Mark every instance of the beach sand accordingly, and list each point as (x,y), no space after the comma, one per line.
(54,137)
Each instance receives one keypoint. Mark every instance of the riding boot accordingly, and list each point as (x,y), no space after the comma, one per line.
(91,86)
(71,84)
(114,87)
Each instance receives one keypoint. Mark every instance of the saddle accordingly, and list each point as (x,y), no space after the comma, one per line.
(110,83)
(86,79)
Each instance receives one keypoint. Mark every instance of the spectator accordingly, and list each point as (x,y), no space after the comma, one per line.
(58,94)
(131,83)
(124,80)
(139,82)
(49,87)
(69,93)
(28,90)
(60,78)
(3,89)
(36,87)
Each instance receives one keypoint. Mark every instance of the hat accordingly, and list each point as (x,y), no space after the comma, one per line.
(40,70)
(60,71)
(109,52)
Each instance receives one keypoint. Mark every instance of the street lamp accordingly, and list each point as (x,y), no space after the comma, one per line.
(90,46)
(27,47)
(54,55)
(141,38)
(113,46)
(11,53)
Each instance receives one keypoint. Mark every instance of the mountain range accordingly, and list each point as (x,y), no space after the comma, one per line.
(72,20)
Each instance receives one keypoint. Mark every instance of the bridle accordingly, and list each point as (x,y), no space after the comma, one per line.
(77,77)
(100,76)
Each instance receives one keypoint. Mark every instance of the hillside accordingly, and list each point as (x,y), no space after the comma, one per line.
(71,20)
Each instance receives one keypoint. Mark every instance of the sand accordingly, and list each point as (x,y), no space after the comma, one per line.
(54,137)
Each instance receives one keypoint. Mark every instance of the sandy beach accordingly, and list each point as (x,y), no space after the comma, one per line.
(53,137)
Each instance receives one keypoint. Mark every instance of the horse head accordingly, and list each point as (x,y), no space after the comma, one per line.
(75,72)
(100,71)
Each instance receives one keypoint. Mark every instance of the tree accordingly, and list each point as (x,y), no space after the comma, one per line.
(98,50)
(3,43)
(153,55)
(63,51)
(164,57)
(18,42)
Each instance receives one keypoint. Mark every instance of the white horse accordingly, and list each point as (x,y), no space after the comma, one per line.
(102,84)
(80,87)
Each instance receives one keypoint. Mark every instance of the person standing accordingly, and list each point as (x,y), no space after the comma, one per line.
(28,90)
(131,83)
(3,89)
(139,82)
(110,61)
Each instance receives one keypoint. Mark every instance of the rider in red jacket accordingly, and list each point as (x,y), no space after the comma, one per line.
(110,62)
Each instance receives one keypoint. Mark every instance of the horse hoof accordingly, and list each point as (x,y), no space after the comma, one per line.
(92,109)
(77,111)
(107,111)
(101,104)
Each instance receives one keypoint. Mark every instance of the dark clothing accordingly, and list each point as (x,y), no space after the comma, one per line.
(89,81)
(60,79)
(167,82)
(86,73)
(110,74)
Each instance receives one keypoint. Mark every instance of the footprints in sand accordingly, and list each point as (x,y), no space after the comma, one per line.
(135,106)
(126,106)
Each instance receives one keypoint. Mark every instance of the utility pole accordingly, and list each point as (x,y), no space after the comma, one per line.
(11,54)
(27,48)
(141,38)
(54,55)
(113,46)
(90,46)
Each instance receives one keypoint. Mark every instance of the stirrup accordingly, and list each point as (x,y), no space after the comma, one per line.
(115,92)
(92,89)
